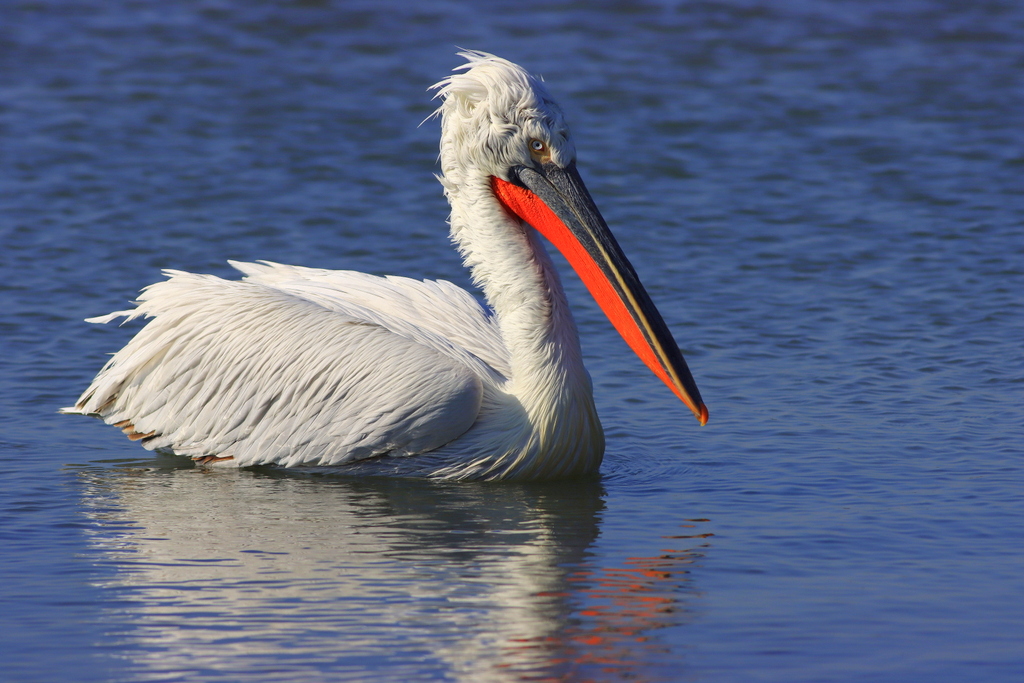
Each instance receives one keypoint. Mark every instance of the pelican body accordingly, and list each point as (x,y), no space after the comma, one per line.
(294,366)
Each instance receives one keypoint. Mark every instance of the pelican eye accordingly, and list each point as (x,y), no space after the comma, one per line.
(540,151)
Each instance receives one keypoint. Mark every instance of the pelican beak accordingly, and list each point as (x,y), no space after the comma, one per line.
(555,201)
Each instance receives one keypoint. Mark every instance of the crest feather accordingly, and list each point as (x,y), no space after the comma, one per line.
(486,105)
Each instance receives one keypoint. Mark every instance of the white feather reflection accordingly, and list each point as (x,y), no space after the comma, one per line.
(254,573)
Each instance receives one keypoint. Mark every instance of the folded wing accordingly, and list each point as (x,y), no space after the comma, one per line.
(297,366)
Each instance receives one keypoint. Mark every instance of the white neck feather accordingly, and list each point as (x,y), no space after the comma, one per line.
(519,281)
(521,285)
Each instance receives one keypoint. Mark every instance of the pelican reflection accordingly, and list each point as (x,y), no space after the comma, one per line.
(253,573)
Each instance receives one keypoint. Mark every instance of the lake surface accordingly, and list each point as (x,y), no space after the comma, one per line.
(825,199)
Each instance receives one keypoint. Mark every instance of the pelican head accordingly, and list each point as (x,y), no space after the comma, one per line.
(494,115)
(500,126)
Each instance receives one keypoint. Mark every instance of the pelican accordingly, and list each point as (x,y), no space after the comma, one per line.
(298,367)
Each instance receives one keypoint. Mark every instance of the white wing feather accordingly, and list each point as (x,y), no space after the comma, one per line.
(299,366)
(403,305)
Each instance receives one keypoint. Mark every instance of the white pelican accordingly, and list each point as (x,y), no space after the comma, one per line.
(298,366)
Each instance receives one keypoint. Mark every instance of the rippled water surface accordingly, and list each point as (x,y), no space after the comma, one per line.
(824,198)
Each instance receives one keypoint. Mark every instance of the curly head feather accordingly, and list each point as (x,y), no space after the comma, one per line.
(489,112)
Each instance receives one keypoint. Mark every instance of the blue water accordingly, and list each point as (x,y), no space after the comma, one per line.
(825,199)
